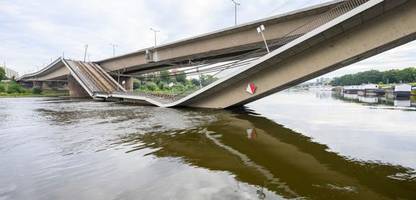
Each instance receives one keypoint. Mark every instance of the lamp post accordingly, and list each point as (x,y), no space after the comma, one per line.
(155,33)
(114,48)
(260,31)
(236,4)
(85,52)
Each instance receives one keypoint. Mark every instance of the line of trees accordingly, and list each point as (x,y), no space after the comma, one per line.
(407,75)
(13,88)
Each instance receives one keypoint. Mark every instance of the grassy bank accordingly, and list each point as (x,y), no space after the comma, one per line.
(13,89)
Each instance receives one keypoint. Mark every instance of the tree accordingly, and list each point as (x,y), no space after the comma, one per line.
(2,74)
(181,77)
(165,76)
(14,88)
(37,90)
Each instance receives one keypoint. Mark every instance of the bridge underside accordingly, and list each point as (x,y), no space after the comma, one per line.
(362,31)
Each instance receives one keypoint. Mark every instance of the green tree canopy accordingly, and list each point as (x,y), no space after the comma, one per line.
(373,76)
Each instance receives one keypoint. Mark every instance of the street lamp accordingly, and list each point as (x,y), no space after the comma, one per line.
(155,33)
(85,52)
(114,49)
(236,4)
(260,30)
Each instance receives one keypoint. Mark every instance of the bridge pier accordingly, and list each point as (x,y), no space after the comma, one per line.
(126,82)
(75,89)
(45,86)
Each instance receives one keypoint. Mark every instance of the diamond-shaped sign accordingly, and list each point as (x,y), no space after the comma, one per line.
(251,133)
(251,88)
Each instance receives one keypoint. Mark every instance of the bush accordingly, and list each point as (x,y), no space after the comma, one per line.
(195,82)
(15,88)
(37,90)
(151,86)
(2,88)
(136,84)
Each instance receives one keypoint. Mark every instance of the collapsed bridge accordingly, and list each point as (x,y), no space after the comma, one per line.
(302,45)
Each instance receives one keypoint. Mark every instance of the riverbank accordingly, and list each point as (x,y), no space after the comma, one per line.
(48,93)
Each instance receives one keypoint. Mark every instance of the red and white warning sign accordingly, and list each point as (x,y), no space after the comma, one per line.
(251,88)
(251,133)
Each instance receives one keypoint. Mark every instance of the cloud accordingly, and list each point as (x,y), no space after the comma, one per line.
(34,32)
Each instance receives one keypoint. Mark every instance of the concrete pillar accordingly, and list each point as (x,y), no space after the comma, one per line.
(127,83)
(75,89)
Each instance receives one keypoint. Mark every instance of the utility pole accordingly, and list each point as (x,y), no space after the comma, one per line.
(155,33)
(85,52)
(260,30)
(236,4)
(114,49)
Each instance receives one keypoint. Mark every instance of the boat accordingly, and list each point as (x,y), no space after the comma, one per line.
(402,91)
(370,90)
(351,89)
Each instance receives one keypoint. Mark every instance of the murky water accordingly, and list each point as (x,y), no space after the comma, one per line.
(289,145)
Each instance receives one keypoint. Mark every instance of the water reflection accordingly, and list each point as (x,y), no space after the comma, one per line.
(402,103)
(278,160)
(369,100)
(398,102)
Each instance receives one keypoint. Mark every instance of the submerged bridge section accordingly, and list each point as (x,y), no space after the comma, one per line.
(93,79)
(333,35)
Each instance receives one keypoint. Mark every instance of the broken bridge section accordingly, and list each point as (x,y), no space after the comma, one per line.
(93,79)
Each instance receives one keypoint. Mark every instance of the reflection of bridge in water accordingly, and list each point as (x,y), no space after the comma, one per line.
(304,44)
(260,152)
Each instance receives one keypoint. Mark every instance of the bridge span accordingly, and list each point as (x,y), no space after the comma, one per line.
(303,45)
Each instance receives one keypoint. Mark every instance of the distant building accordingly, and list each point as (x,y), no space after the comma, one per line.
(10,73)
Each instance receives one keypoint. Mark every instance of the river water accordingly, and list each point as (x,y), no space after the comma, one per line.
(290,145)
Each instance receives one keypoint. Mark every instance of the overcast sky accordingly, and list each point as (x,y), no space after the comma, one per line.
(34,32)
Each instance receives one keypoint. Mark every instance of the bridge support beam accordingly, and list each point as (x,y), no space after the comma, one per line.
(75,89)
